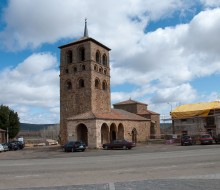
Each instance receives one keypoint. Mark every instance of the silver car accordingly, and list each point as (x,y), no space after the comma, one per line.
(5,146)
(1,148)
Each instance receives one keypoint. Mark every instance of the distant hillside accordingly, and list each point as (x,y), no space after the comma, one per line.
(34,127)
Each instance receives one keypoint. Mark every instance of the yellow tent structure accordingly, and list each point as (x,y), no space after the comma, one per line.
(192,110)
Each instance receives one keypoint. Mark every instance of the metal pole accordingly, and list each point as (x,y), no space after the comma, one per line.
(7,135)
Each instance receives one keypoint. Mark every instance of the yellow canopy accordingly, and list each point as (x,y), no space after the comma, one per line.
(192,110)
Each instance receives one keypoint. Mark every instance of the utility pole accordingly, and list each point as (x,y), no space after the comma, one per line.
(7,135)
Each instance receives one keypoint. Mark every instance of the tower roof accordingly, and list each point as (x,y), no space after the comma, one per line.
(85,38)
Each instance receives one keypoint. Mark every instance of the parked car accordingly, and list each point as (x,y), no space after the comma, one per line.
(217,139)
(206,139)
(1,148)
(116,144)
(187,140)
(19,143)
(12,146)
(74,146)
(5,146)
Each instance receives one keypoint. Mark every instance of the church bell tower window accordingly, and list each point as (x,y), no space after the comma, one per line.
(81,83)
(98,57)
(69,57)
(81,54)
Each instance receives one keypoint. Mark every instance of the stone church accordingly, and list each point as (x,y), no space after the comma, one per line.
(85,99)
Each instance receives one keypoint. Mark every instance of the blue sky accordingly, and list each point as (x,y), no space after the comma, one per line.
(164,53)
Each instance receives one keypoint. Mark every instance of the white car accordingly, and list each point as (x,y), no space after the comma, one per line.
(1,148)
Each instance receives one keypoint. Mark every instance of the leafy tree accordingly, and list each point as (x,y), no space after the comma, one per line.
(9,119)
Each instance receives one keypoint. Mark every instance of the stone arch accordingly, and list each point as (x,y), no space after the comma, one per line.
(113,132)
(69,56)
(83,67)
(97,83)
(81,83)
(95,67)
(104,85)
(68,85)
(74,69)
(101,70)
(82,133)
(104,133)
(81,54)
(152,130)
(134,135)
(104,59)
(105,71)
(121,131)
(97,56)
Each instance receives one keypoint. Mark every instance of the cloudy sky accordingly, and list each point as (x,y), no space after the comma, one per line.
(164,52)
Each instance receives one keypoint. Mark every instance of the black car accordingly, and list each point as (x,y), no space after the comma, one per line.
(73,146)
(187,140)
(119,144)
(12,146)
(20,144)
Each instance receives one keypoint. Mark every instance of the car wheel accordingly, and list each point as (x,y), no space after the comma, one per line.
(83,150)
(124,147)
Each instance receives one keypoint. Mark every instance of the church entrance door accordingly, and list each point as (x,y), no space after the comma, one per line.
(82,133)
(104,133)
(134,135)
(113,132)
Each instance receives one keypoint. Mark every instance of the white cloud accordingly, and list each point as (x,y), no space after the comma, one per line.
(34,82)
(211,3)
(32,24)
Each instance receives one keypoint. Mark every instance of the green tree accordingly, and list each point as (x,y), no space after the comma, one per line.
(9,119)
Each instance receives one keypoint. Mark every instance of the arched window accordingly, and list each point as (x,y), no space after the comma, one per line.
(97,83)
(74,69)
(81,83)
(81,54)
(100,69)
(69,56)
(104,85)
(104,60)
(105,71)
(98,59)
(66,71)
(68,85)
(95,68)
(83,67)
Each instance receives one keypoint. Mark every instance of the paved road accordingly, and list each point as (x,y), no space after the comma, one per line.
(165,167)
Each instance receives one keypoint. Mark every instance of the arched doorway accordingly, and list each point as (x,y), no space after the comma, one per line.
(104,133)
(121,131)
(82,133)
(152,130)
(134,135)
(113,132)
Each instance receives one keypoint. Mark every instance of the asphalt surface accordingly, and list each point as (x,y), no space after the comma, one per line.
(144,167)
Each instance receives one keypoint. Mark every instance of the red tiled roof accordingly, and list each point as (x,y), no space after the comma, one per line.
(114,114)
(129,102)
(145,112)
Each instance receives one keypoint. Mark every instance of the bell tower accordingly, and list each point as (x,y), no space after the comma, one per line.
(84,79)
